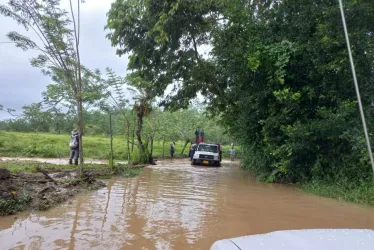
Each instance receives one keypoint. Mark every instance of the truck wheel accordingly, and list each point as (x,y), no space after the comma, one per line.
(192,163)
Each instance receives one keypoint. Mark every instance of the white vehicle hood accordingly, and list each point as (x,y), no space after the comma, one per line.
(312,239)
(205,153)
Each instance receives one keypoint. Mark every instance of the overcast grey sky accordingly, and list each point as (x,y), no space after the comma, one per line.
(21,84)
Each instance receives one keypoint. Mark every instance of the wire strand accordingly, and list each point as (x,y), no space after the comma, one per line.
(356,85)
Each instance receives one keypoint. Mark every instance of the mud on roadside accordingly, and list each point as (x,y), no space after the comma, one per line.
(35,191)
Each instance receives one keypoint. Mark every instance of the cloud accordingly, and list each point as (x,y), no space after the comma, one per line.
(21,84)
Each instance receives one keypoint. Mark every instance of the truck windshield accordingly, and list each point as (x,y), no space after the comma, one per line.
(208,148)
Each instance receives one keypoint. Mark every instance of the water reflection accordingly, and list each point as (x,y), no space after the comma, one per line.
(176,206)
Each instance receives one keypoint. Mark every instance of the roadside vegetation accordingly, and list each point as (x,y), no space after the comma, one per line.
(102,171)
(358,192)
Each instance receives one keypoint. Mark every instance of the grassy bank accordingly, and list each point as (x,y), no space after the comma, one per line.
(30,166)
(16,144)
(102,170)
(361,192)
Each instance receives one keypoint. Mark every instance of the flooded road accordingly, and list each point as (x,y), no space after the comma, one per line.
(176,206)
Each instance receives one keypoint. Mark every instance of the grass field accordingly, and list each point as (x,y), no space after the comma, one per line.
(15,144)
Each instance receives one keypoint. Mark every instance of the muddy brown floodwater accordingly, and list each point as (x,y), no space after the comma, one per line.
(176,206)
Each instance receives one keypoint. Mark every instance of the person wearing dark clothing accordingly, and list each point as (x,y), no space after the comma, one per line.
(197,132)
(192,151)
(74,147)
(220,152)
(172,149)
(202,135)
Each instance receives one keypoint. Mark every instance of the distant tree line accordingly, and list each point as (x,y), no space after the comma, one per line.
(176,126)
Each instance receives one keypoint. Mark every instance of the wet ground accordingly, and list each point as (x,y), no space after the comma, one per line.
(44,188)
(176,206)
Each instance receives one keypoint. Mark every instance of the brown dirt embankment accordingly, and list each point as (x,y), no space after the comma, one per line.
(38,191)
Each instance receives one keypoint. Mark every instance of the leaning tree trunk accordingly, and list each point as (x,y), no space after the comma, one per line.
(133,136)
(111,143)
(185,145)
(163,147)
(143,156)
(151,151)
(128,143)
(139,114)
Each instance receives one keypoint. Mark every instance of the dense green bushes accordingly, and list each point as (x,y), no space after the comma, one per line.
(278,76)
(295,111)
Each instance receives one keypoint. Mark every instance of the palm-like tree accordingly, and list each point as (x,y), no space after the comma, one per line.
(143,106)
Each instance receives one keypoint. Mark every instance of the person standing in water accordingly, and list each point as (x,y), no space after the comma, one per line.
(202,135)
(172,150)
(232,153)
(220,152)
(197,132)
(74,147)
(192,152)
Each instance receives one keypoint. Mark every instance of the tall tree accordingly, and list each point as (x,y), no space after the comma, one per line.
(144,96)
(163,40)
(116,99)
(56,41)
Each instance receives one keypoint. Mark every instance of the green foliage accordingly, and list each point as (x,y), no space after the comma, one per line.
(61,94)
(14,205)
(164,35)
(299,115)
(174,126)
(278,76)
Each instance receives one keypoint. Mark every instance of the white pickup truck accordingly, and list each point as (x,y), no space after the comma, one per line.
(310,239)
(207,154)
